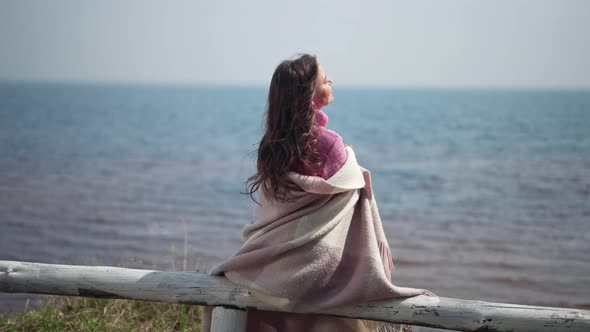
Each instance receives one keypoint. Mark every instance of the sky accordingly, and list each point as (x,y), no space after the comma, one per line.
(441,43)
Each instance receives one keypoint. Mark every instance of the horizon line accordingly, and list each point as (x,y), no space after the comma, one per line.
(258,84)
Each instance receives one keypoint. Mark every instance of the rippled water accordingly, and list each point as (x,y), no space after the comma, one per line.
(483,194)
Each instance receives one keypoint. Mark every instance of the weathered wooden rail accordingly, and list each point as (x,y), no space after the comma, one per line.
(201,289)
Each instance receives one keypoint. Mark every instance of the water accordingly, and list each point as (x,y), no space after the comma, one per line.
(483,194)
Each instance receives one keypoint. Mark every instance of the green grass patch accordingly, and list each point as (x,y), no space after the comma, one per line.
(61,313)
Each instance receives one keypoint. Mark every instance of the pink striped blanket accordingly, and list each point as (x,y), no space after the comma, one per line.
(325,248)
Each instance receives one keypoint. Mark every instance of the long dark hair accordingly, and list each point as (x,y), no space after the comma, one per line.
(289,136)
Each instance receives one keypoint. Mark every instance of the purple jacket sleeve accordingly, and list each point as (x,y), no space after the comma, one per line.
(335,153)
(332,155)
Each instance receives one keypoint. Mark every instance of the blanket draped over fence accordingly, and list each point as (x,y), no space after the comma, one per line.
(322,249)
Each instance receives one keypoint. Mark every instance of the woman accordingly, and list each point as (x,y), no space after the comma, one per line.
(316,241)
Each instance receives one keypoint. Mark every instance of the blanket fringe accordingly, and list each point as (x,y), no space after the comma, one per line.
(390,327)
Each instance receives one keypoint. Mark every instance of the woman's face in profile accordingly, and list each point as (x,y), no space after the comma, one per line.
(323,91)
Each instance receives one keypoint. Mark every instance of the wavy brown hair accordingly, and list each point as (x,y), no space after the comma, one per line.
(289,136)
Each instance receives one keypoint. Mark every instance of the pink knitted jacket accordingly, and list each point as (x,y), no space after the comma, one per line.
(330,148)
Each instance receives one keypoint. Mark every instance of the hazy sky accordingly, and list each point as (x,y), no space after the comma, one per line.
(524,43)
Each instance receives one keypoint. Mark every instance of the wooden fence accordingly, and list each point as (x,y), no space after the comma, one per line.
(231,300)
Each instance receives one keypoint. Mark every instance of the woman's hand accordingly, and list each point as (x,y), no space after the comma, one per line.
(350,145)
(427,293)
(407,291)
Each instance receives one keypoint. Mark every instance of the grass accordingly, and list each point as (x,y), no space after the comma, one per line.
(87,314)
(64,313)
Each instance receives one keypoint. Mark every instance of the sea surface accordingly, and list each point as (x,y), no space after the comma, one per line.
(484,194)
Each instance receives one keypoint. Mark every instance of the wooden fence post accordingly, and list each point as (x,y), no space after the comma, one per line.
(228,320)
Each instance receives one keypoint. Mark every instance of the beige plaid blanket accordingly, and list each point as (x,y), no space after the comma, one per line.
(325,248)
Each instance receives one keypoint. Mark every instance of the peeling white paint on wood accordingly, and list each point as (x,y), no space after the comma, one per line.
(197,288)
